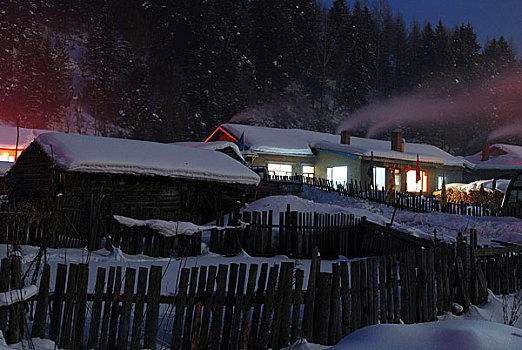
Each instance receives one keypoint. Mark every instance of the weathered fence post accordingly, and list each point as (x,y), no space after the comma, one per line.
(15,330)
(38,330)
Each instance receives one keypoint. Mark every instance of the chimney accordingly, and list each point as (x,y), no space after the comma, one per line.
(396,141)
(485,152)
(345,137)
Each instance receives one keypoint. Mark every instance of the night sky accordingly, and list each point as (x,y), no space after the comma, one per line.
(491,18)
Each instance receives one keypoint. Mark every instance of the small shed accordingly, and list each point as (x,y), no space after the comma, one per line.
(86,180)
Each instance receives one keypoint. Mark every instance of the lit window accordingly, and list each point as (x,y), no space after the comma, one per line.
(412,185)
(337,174)
(379,177)
(279,169)
(308,171)
(398,186)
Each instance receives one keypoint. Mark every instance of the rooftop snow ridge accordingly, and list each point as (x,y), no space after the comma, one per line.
(303,142)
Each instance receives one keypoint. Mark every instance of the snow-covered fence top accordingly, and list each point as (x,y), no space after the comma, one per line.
(301,142)
(93,154)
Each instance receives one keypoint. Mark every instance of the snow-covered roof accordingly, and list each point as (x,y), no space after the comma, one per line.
(302,142)
(214,145)
(80,153)
(501,156)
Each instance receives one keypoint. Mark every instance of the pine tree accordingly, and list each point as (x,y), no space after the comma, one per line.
(443,59)
(358,79)
(429,52)
(415,52)
(332,49)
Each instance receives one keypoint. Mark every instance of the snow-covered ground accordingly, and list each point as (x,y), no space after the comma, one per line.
(461,335)
(507,229)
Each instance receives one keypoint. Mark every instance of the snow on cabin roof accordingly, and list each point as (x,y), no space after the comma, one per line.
(214,145)
(501,156)
(80,153)
(302,142)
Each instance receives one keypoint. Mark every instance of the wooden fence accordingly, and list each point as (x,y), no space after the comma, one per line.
(297,233)
(421,203)
(257,306)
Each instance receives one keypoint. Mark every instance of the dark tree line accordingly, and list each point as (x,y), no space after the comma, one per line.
(175,69)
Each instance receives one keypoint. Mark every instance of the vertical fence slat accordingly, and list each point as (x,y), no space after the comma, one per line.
(153,302)
(107,309)
(179,305)
(138,309)
(96,308)
(128,294)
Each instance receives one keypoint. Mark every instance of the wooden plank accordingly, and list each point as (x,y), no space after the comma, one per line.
(247,306)
(179,306)
(15,329)
(365,311)
(208,305)
(308,316)
(375,291)
(278,302)
(356,295)
(5,273)
(65,337)
(217,311)
(254,330)
(199,306)
(403,275)
(96,308)
(462,284)
(107,309)
(229,304)
(323,308)
(187,324)
(238,308)
(153,299)
(432,314)
(393,290)
(115,310)
(128,294)
(345,299)
(264,331)
(334,331)
(383,297)
(296,309)
(42,301)
(286,305)
(138,309)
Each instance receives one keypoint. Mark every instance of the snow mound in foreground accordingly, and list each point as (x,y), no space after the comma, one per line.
(462,335)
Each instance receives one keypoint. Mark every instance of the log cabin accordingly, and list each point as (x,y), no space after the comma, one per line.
(89,179)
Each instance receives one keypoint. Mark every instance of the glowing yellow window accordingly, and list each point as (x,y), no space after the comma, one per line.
(279,169)
(411,182)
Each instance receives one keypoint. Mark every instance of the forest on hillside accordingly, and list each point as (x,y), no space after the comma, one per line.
(168,70)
